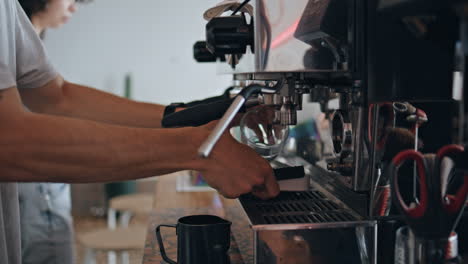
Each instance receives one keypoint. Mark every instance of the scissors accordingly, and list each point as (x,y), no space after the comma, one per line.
(436,213)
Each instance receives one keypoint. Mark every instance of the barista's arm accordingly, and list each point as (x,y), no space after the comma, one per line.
(59,97)
(48,148)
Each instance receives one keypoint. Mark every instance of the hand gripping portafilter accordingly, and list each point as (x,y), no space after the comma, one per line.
(207,146)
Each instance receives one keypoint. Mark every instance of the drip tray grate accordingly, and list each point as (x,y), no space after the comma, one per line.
(295,208)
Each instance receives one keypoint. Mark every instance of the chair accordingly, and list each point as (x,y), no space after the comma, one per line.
(119,238)
(128,205)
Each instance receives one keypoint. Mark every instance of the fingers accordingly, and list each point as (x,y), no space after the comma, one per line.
(269,189)
(261,192)
(234,190)
(235,169)
(272,186)
(264,188)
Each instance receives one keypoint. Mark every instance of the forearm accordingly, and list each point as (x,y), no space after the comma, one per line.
(47,148)
(82,102)
(50,148)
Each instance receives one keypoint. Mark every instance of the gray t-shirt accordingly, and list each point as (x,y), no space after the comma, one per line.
(24,64)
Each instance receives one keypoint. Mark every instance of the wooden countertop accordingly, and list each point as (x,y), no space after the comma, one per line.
(169,205)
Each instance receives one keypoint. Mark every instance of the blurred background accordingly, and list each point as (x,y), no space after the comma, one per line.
(151,40)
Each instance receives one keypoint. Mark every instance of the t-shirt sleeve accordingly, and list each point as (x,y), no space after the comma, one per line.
(7,78)
(7,73)
(33,68)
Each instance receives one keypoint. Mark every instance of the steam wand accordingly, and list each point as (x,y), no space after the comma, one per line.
(207,146)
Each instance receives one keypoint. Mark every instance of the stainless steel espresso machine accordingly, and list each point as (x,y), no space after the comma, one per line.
(314,50)
(362,54)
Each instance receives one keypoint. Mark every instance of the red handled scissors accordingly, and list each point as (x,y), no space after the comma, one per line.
(435,214)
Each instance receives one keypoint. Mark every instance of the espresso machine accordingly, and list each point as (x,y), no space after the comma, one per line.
(376,58)
(288,52)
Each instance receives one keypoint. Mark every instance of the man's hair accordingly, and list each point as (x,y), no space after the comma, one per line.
(32,7)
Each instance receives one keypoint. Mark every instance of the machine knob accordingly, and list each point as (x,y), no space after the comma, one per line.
(342,133)
(228,35)
(202,54)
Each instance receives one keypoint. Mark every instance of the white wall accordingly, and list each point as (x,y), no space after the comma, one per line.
(151,39)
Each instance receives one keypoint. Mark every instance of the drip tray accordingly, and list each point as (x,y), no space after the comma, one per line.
(296,208)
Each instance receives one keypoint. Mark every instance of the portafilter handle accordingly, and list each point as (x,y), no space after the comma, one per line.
(208,145)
